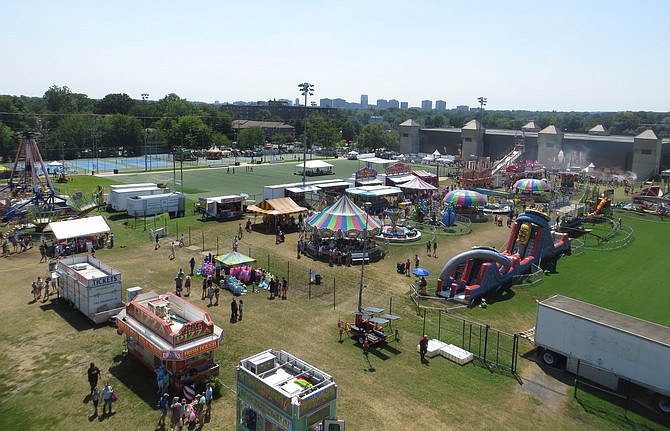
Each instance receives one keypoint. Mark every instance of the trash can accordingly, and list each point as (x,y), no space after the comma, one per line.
(317,279)
(116,171)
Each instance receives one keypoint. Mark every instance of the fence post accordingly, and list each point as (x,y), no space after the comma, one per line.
(424,322)
(515,349)
(217,245)
(391,306)
(177,226)
(486,340)
(439,323)
(189,236)
(333,292)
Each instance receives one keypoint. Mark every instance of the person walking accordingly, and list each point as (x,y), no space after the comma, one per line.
(107,392)
(191,263)
(175,408)
(434,248)
(163,405)
(111,240)
(240,309)
(93,375)
(233,310)
(157,245)
(209,392)
(408,267)
(428,248)
(416,261)
(423,347)
(284,288)
(239,230)
(217,291)
(95,398)
(210,293)
(172,252)
(187,285)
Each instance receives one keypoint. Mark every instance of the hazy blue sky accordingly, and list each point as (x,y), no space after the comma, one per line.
(559,55)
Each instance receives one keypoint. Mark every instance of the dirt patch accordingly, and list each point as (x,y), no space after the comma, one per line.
(549,391)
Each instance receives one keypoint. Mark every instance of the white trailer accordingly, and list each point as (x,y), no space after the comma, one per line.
(91,287)
(605,346)
(118,199)
(142,206)
(131,186)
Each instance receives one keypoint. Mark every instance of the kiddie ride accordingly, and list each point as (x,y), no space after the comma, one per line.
(369,329)
(473,274)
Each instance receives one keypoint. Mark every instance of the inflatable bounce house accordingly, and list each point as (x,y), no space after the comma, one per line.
(471,275)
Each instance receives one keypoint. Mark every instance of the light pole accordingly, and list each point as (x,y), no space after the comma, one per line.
(367,206)
(306,89)
(145,96)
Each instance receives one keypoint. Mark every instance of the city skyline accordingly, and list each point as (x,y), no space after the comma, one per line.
(521,55)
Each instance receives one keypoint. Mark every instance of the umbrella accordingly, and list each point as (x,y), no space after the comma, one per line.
(531,184)
(234,259)
(465,198)
(420,272)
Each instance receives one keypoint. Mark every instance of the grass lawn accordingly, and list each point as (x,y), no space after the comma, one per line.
(46,347)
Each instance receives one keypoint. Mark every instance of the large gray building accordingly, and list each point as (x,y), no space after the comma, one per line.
(643,154)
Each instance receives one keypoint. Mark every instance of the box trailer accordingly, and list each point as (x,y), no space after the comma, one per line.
(142,206)
(118,198)
(605,346)
(91,287)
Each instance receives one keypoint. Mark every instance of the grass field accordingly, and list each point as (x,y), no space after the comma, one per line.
(46,347)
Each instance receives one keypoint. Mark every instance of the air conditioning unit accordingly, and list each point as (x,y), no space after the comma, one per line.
(333,425)
(261,363)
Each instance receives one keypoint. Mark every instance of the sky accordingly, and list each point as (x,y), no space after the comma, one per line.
(521,55)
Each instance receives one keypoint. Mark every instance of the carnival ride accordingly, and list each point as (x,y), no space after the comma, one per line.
(471,275)
(395,232)
(370,326)
(30,195)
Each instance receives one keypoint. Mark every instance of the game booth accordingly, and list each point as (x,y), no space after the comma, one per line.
(278,392)
(166,329)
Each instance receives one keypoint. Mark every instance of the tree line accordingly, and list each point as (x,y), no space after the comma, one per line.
(71,125)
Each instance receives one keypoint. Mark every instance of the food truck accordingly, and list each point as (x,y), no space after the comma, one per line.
(90,286)
(277,391)
(165,329)
(222,207)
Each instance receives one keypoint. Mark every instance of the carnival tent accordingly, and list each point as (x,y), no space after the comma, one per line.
(277,206)
(531,184)
(374,191)
(234,259)
(344,215)
(417,184)
(77,228)
(465,198)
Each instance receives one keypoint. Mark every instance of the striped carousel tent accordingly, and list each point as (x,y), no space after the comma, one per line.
(344,215)
(234,259)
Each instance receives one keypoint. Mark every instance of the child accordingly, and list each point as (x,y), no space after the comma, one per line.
(416,261)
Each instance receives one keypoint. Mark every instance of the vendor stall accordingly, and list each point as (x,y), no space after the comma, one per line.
(81,234)
(164,329)
(278,392)
(280,212)
(381,197)
(222,207)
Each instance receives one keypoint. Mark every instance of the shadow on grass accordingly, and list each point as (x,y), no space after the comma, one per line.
(504,294)
(73,316)
(136,378)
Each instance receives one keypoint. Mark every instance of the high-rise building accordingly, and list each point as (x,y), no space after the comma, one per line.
(364,100)
(404,105)
(325,103)
(462,108)
(427,105)
(339,103)
(297,101)
(382,104)
(440,105)
(393,104)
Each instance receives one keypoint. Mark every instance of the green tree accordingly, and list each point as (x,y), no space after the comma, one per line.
(190,131)
(122,131)
(251,137)
(60,100)
(7,143)
(119,103)
(263,115)
(372,136)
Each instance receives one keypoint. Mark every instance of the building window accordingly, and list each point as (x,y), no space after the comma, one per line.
(467,139)
(405,135)
(648,152)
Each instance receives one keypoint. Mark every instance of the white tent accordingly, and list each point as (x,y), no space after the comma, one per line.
(55,164)
(78,227)
(314,164)
(436,153)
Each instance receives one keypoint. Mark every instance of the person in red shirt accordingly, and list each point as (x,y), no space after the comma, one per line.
(423,347)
